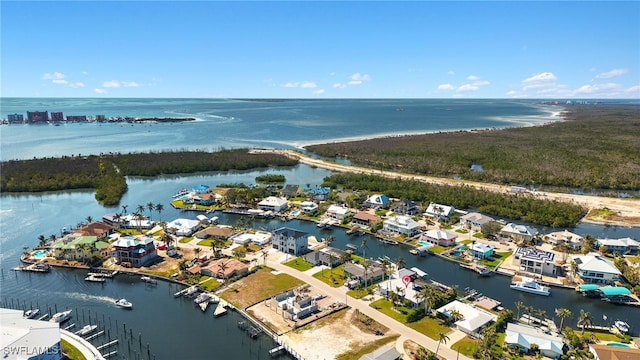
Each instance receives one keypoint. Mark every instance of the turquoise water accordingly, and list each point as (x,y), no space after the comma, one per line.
(295,213)
(39,254)
(424,243)
(620,345)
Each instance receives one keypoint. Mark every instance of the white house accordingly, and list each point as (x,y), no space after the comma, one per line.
(473,319)
(534,261)
(474,221)
(517,233)
(377,201)
(273,203)
(439,237)
(31,339)
(308,207)
(183,227)
(595,269)
(623,246)
(290,241)
(564,237)
(401,224)
(337,212)
(439,211)
(481,250)
(524,336)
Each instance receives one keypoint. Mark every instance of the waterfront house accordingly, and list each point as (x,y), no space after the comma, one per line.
(134,251)
(329,256)
(405,207)
(481,250)
(214,232)
(606,352)
(183,227)
(410,292)
(130,221)
(27,338)
(374,273)
(308,207)
(224,268)
(377,201)
(624,246)
(318,193)
(365,219)
(201,189)
(290,191)
(523,337)
(535,261)
(98,229)
(401,224)
(474,221)
(439,237)
(259,238)
(206,199)
(596,269)
(294,306)
(337,212)
(439,212)
(290,241)
(273,204)
(80,248)
(473,319)
(564,238)
(385,352)
(517,233)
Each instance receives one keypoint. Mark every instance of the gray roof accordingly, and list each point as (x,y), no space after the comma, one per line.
(384,353)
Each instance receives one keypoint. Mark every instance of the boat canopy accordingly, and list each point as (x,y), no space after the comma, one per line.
(614,290)
(588,287)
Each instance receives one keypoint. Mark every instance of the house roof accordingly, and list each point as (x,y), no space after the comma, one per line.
(273,201)
(363,215)
(358,270)
(384,353)
(439,209)
(525,336)
(476,218)
(95,228)
(481,247)
(623,242)
(518,229)
(604,352)
(473,318)
(440,234)
(378,199)
(216,231)
(335,209)
(595,263)
(288,232)
(403,221)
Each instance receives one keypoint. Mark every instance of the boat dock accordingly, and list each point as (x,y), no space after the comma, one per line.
(35,267)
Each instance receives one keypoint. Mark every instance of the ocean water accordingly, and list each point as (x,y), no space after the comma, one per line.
(175,328)
(248,123)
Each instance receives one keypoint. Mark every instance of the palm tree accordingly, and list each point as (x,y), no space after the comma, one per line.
(345,257)
(197,251)
(584,320)
(89,219)
(329,239)
(563,313)
(428,295)
(393,296)
(117,218)
(159,208)
(332,258)
(574,269)
(455,315)
(442,338)
(400,262)
(124,209)
(42,241)
(140,209)
(366,265)
(541,315)
(363,246)
(150,207)
(530,311)
(519,306)
(223,266)
(265,254)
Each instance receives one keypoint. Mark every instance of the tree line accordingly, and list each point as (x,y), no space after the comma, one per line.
(107,173)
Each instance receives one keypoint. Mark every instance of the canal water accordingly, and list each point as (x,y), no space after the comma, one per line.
(163,327)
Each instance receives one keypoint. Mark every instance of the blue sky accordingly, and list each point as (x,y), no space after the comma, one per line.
(507,49)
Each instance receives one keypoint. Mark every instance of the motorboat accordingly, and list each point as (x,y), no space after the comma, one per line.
(30,314)
(203,305)
(203,297)
(61,316)
(148,279)
(529,285)
(124,303)
(86,330)
(93,278)
(622,326)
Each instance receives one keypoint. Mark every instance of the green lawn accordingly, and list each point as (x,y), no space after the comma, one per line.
(357,354)
(334,277)
(210,285)
(466,346)
(496,259)
(70,351)
(428,326)
(299,264)
(244,292)
(185,239)
(438,249)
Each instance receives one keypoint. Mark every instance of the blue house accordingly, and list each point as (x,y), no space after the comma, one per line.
(481,251)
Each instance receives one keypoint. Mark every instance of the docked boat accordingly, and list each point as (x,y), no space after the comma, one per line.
(61,316)
(86,330)
(30,314)
(124,303)
(93,278)
(352,247)
(148,279)
(388,241)
(529,285)
(203,297)
(622,326)
(203,305)
(479,268)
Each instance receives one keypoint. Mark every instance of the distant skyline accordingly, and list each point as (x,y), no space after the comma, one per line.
(321,49)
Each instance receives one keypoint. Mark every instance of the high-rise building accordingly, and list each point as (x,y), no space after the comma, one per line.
(77,118)
(57,116)
(15,118)
(37,116)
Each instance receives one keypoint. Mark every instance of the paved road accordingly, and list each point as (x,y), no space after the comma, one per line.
(627,209)
(340,294)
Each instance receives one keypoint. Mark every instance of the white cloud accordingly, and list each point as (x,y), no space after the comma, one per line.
(99,91)
(54,76)
(76,85)
(117,84)
(634,89)
(354,82)
(446,87)
(451,72)
(542,77)
(339,86)
(318,92)
(360,77)
(472,78)
(130,84)
(467,87)
(60,81)
(308,85)
(597,88)
(612,73)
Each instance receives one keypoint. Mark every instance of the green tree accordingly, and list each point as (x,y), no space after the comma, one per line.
(584,320)
(563,313)
(442,338)
(159,208)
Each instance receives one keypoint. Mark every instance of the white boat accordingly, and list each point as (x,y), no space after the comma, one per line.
(622,326)
(221,309)
(148,279)
(190,291)
(30,314)
(93,278)
(86,330)
(203,297)
(203,305)
(61,316)
(123,303)
(529,285)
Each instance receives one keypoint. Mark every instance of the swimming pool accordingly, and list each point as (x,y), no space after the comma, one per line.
(424,243)
(620,345)
(295,212)
(39,254)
